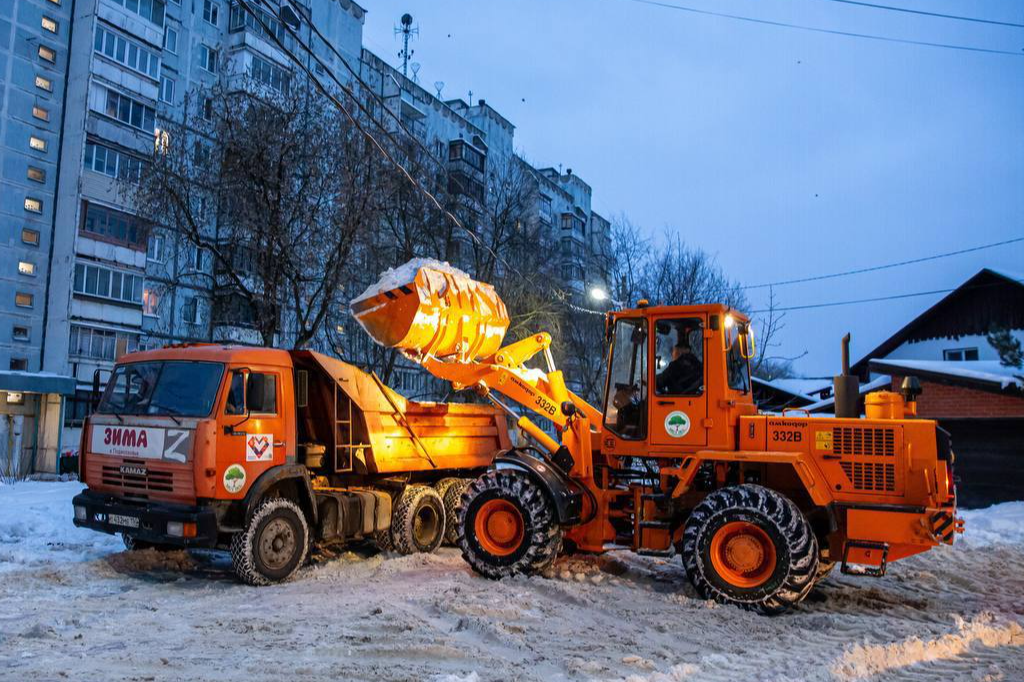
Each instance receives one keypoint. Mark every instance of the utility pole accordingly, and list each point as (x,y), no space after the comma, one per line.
(407,31)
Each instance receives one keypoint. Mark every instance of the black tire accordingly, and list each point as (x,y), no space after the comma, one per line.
(536,546)
(451,498)
(382,538)
(417,524)
(824,570)
(789,569)
(133,544)
(273,545)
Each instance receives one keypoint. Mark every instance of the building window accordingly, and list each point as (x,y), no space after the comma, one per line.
(269,74)
(26,268)
(23,300)
(155,248)
(207,109)
(49,25)
(37,143)
(167,90)
(94,280)
(125,52)
(101,344)
(30,236)
(150,302)
(44,84)
(20,333)
(113,226)
(36,174)
(41,114)
(128,111)
(112,162)
(19,364)
(171,40)
(240,18)
(153,10)
(210,12)
(48,54)
(208,58)
(33,205)
(190,311)
(960,354)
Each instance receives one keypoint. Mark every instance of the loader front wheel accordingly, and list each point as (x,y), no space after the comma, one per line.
(452,496)
(507,525)
(752,547)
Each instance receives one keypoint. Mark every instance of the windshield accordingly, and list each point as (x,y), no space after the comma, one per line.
(185,389)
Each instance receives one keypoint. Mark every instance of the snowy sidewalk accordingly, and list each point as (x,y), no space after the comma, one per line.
(74,606)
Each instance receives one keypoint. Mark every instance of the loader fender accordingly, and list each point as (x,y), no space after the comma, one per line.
(566,495)
(281,474)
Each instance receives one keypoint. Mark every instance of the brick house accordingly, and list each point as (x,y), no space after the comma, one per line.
(966,388)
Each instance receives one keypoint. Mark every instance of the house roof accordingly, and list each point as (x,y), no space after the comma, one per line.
(877,384)
(985,375)
(976,306)
(36,382)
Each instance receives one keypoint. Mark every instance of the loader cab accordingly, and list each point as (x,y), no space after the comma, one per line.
(678,378)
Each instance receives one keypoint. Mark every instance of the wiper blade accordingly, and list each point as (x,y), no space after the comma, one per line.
(169,413)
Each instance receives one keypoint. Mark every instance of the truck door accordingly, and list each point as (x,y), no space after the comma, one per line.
(679,400)
(254,433)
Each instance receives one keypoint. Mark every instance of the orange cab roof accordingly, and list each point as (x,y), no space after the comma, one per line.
(212,352)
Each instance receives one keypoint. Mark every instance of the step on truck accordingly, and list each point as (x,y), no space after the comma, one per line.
(677,460)
(267,453)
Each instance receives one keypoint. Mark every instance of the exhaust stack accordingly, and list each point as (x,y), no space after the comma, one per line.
(846,387)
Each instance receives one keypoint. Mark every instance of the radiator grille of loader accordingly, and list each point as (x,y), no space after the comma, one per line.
(857,443)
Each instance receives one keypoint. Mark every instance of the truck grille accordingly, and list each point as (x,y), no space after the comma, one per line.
(853,440)
(151,481)
(870,476)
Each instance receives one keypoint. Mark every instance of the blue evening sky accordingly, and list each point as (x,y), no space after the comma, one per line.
(781,152)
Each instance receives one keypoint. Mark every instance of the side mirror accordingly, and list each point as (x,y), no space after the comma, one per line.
(94,398)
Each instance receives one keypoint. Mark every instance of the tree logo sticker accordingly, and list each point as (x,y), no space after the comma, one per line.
(234,478)
(677,424)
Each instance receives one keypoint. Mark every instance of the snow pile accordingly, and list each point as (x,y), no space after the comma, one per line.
(982,370)
(998,524)
(404,274)
(36,527)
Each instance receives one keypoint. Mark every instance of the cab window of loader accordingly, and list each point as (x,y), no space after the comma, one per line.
(736,360)
(679,359)
(625,411)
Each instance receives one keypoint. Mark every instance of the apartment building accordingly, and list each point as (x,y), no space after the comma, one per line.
(34,39)
(89,87)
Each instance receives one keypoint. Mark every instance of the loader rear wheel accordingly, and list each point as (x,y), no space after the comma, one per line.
(273,545)
(451,497)
(417,524)
(507,525)
(750,546)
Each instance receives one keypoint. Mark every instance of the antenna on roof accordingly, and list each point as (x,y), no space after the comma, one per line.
(415,66)
(439,86)
(407,31)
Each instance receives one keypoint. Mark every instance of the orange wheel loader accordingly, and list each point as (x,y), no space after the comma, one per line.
(678,460)
(267,452)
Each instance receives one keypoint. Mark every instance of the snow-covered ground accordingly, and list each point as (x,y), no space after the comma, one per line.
(74,606)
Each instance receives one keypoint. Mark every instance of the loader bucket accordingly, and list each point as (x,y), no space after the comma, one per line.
(429,308)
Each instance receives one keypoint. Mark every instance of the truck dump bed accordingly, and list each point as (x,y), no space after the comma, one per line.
(379,431)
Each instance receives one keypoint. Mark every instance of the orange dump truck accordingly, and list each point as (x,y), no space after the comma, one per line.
(266,452)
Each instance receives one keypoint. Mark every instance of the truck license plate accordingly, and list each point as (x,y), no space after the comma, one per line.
(126,521)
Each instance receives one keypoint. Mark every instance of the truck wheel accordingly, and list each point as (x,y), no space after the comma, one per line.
(824,570)
(507,525)
(382,538)
(273,544)
(417,524)
(451,509)
(750,546)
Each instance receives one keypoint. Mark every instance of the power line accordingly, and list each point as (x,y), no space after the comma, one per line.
(877,299)
(887,266)
(815,29)
(929,14)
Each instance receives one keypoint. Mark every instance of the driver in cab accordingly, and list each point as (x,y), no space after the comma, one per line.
(684,374)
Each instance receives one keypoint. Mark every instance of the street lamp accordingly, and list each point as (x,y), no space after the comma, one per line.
(600,295)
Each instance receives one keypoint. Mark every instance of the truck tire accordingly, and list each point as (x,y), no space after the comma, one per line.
(507,525)
(382,538)
(273,545)
(417,524)
(451,498)
(752,547)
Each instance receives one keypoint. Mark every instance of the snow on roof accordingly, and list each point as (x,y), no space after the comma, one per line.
(875,385)
(990,371)
(801,388)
